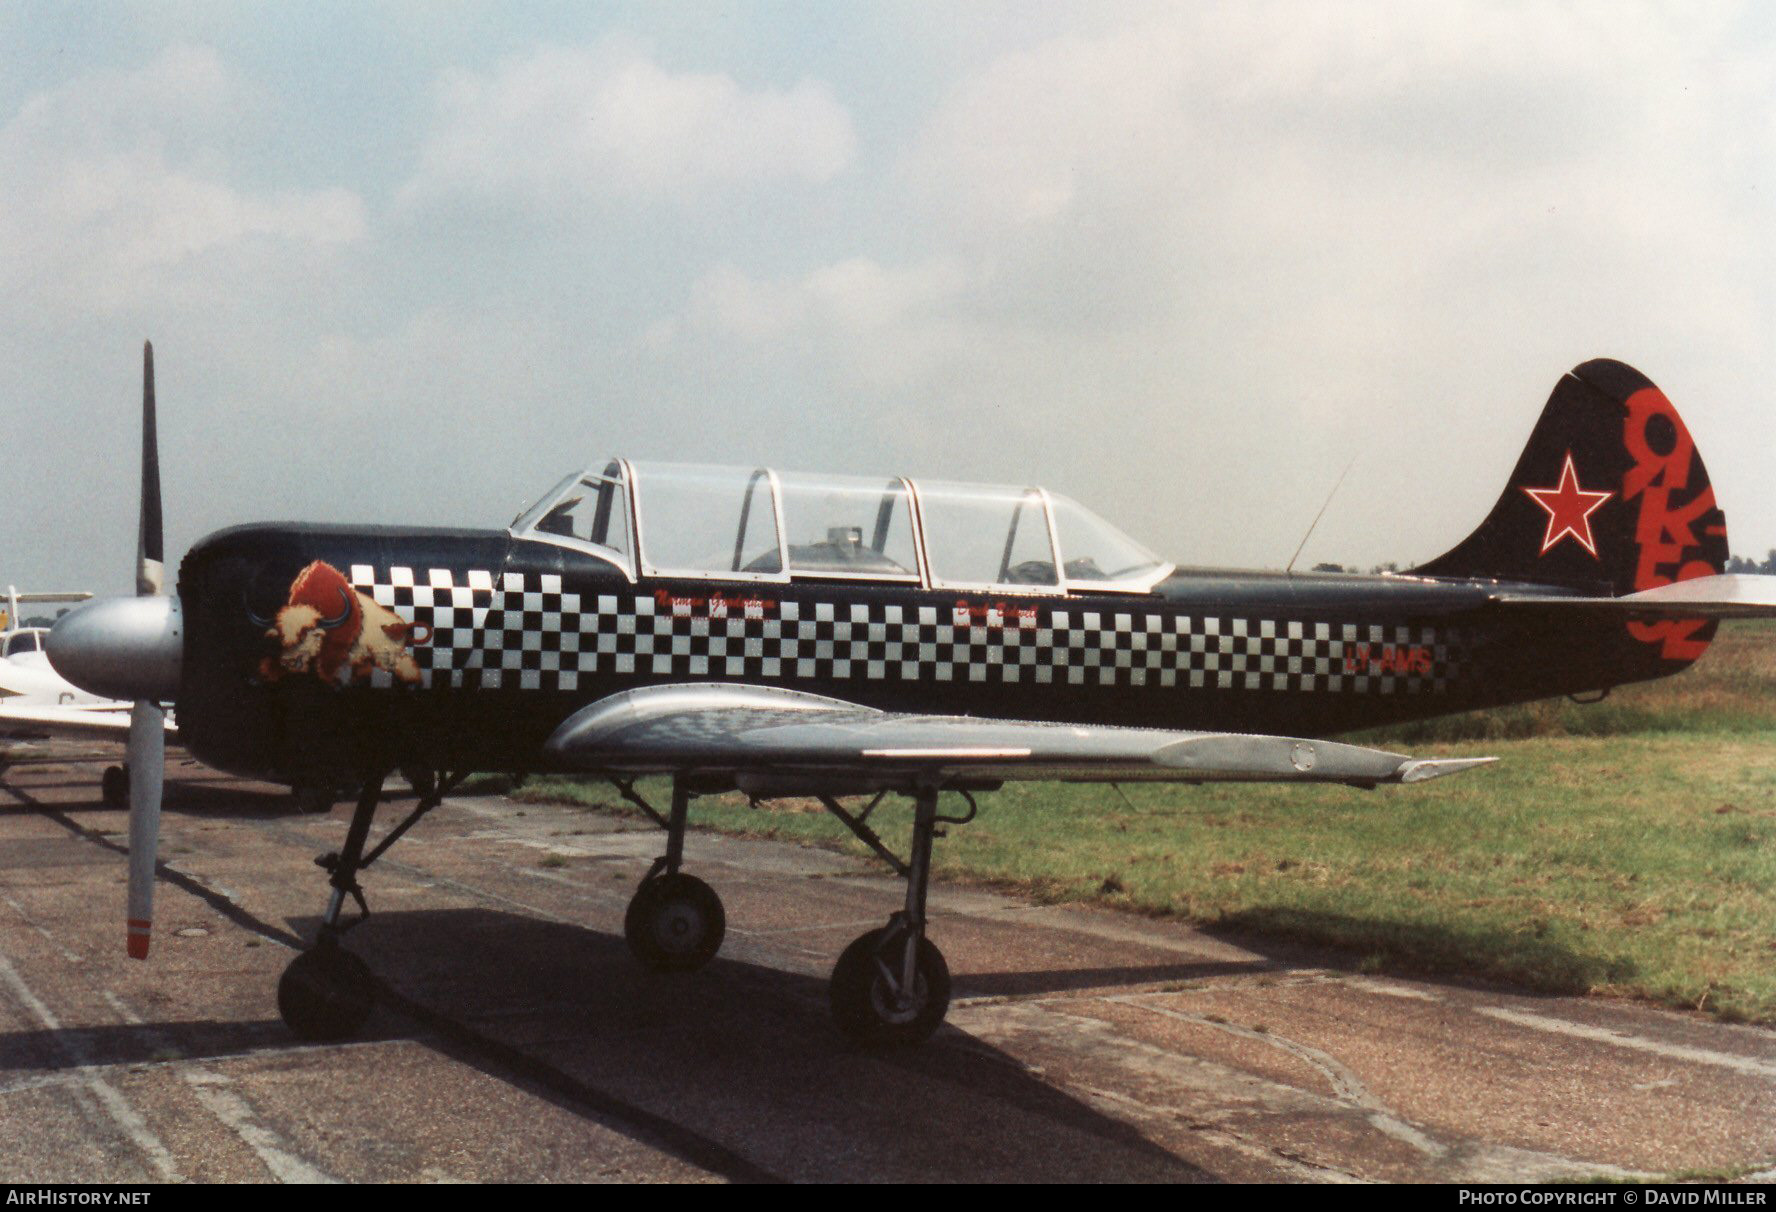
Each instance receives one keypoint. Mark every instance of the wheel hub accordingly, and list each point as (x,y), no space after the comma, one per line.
(894,1002)
(679,926)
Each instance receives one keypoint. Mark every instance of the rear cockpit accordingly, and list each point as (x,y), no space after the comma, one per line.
(756,524)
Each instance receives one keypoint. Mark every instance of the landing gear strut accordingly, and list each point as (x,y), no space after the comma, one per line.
(327,992)
(891,986)
(675,922)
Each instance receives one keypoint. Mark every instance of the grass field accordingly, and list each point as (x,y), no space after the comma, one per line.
(1625,848)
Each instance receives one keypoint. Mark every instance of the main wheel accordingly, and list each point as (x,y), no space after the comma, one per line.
(868,1001)
(675,923)
(326,993)
(114,787)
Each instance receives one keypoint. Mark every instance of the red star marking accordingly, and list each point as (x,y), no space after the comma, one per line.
(1569,509)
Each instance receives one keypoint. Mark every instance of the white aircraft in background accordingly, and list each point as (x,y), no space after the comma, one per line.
(37,701)
(26,677)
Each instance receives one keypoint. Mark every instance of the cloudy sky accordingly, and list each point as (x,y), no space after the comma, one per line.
(413,262)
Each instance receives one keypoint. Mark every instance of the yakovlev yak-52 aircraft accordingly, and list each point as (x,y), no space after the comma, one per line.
(833,636)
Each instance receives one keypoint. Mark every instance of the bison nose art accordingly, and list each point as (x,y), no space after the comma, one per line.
(341,635)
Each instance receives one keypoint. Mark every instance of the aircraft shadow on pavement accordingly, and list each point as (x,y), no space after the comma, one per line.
(26,1055)
(199,794)
(1071,980)
(720,1052)
(195,799)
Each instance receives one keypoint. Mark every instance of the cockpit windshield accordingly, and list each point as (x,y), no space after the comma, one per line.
(1098,552)
(591,508)
(736,523)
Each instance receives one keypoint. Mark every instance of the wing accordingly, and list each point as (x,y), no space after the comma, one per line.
(96,720)
(770,736)
(35,699)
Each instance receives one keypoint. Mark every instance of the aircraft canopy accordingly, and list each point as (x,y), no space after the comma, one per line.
(26,640)
(738,523)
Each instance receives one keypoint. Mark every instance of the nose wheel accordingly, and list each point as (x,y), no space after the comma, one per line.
(326,993)
(675,923)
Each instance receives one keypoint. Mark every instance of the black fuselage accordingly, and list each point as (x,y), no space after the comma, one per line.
(507,637)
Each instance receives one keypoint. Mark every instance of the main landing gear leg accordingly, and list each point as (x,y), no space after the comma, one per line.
(675,921)
(327,992)
(892,987)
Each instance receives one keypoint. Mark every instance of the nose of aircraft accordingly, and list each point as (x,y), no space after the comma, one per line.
(121,648)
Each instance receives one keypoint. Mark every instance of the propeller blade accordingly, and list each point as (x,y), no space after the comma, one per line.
(147,735)
(150,557)
(147,769)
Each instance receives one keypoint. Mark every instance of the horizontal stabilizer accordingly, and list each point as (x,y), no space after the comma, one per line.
(1732,595)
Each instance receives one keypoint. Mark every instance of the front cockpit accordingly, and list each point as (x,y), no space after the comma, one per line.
(756,524)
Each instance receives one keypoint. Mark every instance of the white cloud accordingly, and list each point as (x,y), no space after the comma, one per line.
(113,192)
(886,325)
(563,124)
(1250,235)
(853,297)
(1180,262)
(184,91)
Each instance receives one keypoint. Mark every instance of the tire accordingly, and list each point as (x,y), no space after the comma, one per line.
(863,1001)
(114,787)
(675,923)
(326,994)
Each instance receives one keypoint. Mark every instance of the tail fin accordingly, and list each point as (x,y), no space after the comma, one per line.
(1610,497)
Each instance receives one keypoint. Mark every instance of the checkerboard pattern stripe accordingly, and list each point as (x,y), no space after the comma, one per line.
(517,630)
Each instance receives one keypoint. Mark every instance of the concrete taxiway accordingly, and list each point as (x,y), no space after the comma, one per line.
(518,1041)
